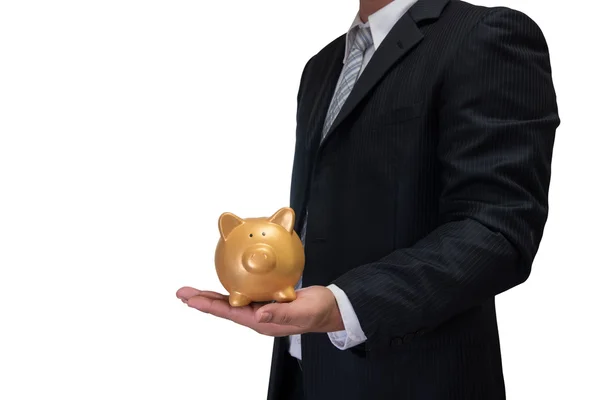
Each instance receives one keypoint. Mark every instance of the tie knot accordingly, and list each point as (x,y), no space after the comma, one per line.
(363,38)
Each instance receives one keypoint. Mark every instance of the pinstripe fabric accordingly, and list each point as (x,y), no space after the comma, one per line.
(427,198)
(350,72)
(361,39)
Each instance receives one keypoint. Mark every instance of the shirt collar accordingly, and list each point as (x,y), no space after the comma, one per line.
(381,23)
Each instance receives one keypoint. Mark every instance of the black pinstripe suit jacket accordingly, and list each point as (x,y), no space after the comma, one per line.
(427,199)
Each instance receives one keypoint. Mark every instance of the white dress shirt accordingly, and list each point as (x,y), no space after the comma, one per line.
(380,23)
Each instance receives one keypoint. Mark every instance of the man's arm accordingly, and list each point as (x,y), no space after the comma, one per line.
(497,121)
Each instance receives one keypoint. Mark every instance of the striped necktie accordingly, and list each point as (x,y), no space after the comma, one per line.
(350,72)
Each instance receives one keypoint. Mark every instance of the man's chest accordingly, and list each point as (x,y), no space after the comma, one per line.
(393,128)
(396,113)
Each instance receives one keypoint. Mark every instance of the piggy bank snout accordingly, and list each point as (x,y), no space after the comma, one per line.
(259,259)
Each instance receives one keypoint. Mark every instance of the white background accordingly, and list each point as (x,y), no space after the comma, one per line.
(127,127)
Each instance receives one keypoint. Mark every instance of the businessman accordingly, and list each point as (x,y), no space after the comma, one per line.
(420,183)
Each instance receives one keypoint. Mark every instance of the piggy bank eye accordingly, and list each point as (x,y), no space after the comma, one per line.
(251,235)
(264,234)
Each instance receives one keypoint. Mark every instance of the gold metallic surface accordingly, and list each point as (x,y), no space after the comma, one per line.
(259,259)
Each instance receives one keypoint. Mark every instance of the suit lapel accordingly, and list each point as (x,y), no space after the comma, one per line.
(325,79)
(325,95)
(403,37)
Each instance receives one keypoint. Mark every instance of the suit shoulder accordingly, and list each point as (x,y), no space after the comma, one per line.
(318,63)
(462,19)
(470,15)
(338,44)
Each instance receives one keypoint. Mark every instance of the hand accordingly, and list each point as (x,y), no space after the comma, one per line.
(314,310)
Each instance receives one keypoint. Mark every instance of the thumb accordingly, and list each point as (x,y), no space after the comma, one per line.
(278,313)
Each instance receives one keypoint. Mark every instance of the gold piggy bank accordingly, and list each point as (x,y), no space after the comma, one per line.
(259,259)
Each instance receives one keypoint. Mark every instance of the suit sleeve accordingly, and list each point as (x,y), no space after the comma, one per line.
(497,122)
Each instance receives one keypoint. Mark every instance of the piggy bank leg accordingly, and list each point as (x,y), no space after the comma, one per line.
(285,295)
(238,300)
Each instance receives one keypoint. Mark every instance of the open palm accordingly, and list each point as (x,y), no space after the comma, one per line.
(314,310)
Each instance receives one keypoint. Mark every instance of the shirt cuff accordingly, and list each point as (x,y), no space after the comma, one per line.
(352,335)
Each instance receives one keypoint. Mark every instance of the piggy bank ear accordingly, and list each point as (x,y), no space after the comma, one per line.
(284,217)
(227,223)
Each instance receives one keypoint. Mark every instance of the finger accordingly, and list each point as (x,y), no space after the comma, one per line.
(185,293)
(275,330)
(209,295)
(207,304)
(213,295)
(286,314)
